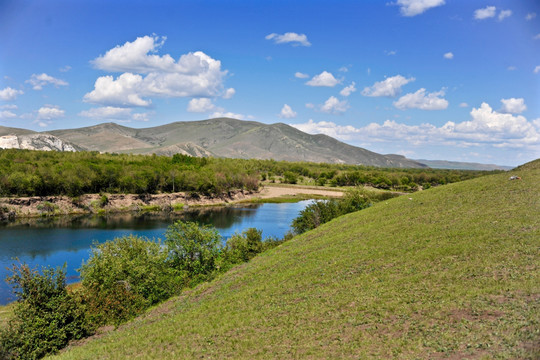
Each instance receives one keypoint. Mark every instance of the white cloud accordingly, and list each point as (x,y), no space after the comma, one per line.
(65,68)
(200,105)
(221,114)
(390,87)
(504,14)
(290,37)
(9,107)
(390,53)
(114,113)
(421,100)
(323,79)
(193,75)
(348,90)
(6,114)
(310,106)
(417,7)
(8,94)
(530,16)
(537,37)
(487,12)
(511,68)
(334,106)
(229,93)
(486,127)
(448,55)
(537,69)
(300,75)
(463,105)
(41,80)
(513,106)
(343,69)
(50,112)
(287,112)
(126,90)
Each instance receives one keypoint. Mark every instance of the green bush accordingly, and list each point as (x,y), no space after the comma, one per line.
(193,249)
(243,247)
(124,276)
(46,315)
(321,212)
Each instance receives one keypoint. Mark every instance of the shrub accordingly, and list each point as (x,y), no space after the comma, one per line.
(124,276)
(321,212)
(47,208)
(243,247)
(46,315)
(290,177)
(193,249)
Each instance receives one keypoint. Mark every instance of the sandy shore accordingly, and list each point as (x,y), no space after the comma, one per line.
(11,208)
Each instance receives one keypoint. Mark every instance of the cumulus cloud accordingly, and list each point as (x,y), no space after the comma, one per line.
(114,113)
(41,80)
(287,112)
(463,105)
(390,87)
(348,90)
(537,69)
(9,94)
(50,112)
(293,38)
(390,53)
(421,100)
(530,16)
(323,79)
(300,75)
(229,93)
(127,90)
(146,75)
(485,13)
(417,7)
(6,114)
(504,14)
(486,127)
(513,106)
(448,55)
(65,68)
(223,114)
(9,106)
(200,105)
(334,106)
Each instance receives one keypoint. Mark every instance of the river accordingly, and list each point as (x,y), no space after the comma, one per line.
(67,239)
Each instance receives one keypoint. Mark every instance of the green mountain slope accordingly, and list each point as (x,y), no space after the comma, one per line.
(231,138)
(451,272)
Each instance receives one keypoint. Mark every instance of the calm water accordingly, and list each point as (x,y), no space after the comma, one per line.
(68,239)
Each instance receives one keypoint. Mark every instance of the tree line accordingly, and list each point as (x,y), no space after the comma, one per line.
(43,173)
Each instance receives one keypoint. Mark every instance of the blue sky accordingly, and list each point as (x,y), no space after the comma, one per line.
(431,79)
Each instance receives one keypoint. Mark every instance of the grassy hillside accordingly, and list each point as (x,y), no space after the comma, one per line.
(451,272)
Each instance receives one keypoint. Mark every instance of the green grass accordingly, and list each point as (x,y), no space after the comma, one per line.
(451,272)
(150,208)
(6,312)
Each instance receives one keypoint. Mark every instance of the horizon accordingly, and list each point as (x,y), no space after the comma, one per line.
(456,81)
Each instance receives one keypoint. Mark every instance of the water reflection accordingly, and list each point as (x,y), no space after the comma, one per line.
(67,239)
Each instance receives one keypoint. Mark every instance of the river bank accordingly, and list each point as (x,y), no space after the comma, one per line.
(20,207)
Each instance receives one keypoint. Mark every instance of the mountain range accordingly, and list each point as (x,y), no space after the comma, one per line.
(221,137)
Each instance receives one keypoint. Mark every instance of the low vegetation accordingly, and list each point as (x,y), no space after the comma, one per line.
(447,273)
(43,173)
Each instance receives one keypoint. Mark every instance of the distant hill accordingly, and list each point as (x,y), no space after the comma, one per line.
(447,273)
(456,165)
(225,137)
